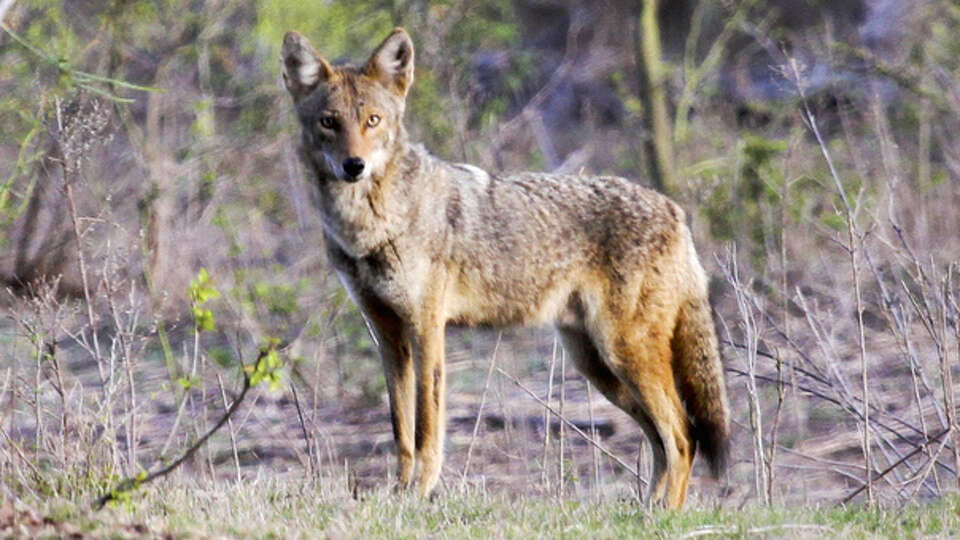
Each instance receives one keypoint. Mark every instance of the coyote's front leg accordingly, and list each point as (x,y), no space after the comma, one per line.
(395,352)
(431,405)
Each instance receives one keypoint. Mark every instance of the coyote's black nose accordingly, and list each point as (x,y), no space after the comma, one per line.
(353,167)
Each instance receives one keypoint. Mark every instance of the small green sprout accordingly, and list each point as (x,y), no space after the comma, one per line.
(201,291)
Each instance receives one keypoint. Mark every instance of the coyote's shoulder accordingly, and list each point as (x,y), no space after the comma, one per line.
(420,242)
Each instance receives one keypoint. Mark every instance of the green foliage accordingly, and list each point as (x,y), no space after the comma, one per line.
(221,357)
(122,496)
(201,288)
(335,28)
(268,367)
(942,45)
(273,298)
(201,291)
(490,24)
(42,63)
(834,221)
(69,77)
(271,202)
(619,80)
(428,104)
(279,298)
(204,125)
(12,205)
(188,383)
(753,199)
(738,208)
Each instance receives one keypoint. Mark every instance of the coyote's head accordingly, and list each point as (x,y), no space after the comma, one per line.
(352,117)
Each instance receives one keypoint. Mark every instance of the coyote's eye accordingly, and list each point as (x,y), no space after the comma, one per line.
(328,122)
(373,120)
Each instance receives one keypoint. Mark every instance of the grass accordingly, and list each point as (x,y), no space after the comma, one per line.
(277,507)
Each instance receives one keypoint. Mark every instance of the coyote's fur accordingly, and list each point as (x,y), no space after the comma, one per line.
(421,243)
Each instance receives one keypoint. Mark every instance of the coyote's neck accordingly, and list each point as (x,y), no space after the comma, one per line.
(365,217)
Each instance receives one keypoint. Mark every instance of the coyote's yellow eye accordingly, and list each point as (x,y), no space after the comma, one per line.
(328,122)
(373,120)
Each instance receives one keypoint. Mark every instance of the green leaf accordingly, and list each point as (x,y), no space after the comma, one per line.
(188,382)
(834,221)
(203,319)
(201,288)
(222,357)
(269,367)
(200,291)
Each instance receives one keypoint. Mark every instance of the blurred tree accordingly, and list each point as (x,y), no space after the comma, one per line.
(659,142)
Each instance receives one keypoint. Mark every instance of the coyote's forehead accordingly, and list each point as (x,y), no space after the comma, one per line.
(352,96)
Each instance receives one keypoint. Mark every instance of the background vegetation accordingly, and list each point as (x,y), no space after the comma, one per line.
(159,248)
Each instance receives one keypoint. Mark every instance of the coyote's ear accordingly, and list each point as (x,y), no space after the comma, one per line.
(392,62)
(303,68)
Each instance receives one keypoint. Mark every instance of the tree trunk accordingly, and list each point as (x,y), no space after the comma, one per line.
(659,141)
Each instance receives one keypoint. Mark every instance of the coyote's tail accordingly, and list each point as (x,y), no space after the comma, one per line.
(699,377)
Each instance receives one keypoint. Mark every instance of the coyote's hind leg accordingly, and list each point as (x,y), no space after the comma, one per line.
(639,354)
(587,358)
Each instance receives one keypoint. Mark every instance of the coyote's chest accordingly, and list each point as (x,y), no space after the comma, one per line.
(396,276)
(354,219)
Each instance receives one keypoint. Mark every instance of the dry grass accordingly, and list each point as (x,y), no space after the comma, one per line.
(272,506)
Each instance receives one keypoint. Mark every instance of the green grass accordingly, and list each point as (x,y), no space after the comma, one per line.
(292,508)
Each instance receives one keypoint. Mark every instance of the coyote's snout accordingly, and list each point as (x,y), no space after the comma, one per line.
(420,243)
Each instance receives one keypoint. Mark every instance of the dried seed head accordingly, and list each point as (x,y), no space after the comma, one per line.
(82,124)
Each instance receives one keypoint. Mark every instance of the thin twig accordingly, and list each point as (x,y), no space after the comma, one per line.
(16,448)
(133,482)
(183,404)
(815,393)
(81,260)
(38,418)
(727,530)
(593,434)
(303,425)
(893,466)
(946,373)
(852,235)
(127,360)
(483,400)
(571,425)
(956,329)
(544,477)
(930,468)
(560,437)
(772,448)
(233,437)
(751,335)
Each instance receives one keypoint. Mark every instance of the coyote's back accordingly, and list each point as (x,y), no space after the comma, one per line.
(421,243)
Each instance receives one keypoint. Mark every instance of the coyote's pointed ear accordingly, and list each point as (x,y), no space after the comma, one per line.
(303,68)
(392,62)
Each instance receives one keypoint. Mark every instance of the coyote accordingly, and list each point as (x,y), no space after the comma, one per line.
(420,243)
